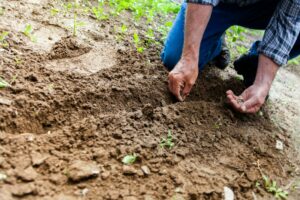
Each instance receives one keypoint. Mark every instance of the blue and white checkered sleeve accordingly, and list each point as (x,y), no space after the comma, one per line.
(282,32)
(206,2)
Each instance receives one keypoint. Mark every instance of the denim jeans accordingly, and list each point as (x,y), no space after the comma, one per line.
(256,16)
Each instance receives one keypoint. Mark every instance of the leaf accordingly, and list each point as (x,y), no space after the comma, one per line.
(3,83)
(129,159)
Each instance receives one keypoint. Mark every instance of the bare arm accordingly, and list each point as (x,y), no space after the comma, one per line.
(184,75)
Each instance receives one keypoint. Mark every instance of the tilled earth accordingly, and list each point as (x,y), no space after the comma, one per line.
(78,105)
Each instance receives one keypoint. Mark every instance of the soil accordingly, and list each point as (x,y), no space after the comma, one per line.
(78,105)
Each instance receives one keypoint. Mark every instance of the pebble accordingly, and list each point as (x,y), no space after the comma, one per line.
(2,177)
(228,194)
(29,174)
(4,101)
(129,170)
(105,175)
(80,170)
(146,170)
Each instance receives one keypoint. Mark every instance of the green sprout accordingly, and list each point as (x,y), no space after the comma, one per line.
(272,187)
(3,83)
(129,159)
(99,12)
(28,32)
(3,37)
(167,142)
(137,43)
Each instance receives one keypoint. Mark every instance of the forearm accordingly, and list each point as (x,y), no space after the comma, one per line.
(197,17)
(266,71)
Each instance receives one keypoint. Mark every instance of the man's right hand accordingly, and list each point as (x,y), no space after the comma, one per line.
(183,77)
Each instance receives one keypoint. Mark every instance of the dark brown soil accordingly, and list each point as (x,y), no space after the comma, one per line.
(56,117)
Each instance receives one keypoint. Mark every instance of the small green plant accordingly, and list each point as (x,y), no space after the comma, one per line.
(3,83)
(28,32)
(129,159)
(272,187)
(99,11)
(137,43)
(3,36)
(167,142)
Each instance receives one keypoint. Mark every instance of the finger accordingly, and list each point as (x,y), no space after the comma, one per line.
(175,86)
(250,104)
(186,90)
(233,102)
(254,109)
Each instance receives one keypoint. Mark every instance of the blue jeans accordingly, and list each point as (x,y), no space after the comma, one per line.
(256,16)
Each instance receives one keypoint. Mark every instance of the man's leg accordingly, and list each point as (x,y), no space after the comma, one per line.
(222,17)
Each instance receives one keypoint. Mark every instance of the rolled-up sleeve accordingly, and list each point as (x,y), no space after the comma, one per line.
(207,2)
(282,32)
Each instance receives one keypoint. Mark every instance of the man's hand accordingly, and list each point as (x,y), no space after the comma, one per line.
(184,75)
(251,100)
(182,78)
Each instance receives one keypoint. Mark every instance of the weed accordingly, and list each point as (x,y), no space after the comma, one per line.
(28,32)
(3,36)
(129,159)
(167,142)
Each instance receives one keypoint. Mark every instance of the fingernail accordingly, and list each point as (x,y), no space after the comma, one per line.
(244,109)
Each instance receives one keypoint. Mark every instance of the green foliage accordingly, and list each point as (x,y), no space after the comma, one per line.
(236,33)
(272,187)
(99,11)
(295,61)
(28,32)
(167,142)
(129,159)
(137,43)
(3,83)
(3,36)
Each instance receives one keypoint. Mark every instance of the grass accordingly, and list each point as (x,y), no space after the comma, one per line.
(168,141)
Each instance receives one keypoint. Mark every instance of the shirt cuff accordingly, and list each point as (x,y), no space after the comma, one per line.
(206,2)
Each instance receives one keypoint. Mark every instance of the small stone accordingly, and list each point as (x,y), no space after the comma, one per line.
(38,159)
(279,145)
(138,114)
(146,170)
(2,176)
(80,170)
(228,194)
(129,170)
(24,189)
(29,174)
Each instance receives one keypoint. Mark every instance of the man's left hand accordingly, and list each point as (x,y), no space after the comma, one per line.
(250,101)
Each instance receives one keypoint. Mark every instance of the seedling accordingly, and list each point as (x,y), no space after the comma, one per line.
(3,83)
(167,142)
(28,32)
(272,187)
(99,12)
(129,159)
(137,43)
(3,37)
(1,11)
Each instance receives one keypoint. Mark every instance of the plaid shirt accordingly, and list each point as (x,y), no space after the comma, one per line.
(282,31)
